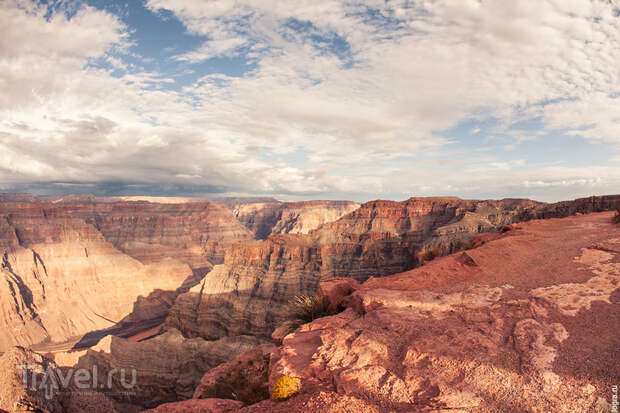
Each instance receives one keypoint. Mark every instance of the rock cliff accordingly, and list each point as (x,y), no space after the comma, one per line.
(71,268)
(527,321)
(61,278)
(196,233)
(249,293)
(166,368)
(265,219)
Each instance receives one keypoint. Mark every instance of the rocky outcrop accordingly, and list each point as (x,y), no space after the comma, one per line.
(528,323)
(30,382)
(249,294)
(163,369)
(199,406)
(252,365)
(23,382)
(265,219)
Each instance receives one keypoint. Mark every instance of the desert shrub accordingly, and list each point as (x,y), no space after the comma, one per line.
(285,387)
(305,309)
(616,218)
(235,386)
(430,253)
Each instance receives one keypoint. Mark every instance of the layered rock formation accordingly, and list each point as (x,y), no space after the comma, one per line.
(526,322)
(250,292)
(196,233)
(163,369)
(265,219)
(61,278)
(20,373)
(71,268)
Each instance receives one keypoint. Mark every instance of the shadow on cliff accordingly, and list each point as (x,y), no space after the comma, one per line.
(148,313)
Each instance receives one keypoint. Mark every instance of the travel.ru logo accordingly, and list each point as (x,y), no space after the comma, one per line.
(54,381)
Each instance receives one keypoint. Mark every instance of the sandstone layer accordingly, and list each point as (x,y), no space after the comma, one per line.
(249,293)
(72,268)
(195,233)
(265,219)
(30,382)
(61,278)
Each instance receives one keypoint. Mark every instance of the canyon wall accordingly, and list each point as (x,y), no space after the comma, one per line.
(72,268)
(249,293)
(197,233)
(265,219)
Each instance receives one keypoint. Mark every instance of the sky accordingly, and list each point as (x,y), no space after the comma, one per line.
(311,99)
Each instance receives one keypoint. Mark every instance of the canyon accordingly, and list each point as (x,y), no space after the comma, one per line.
(69,269)
(249,293)
(177,289)
(524,322)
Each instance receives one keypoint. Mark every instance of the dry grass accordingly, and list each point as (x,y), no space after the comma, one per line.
(430,253)
(305,309)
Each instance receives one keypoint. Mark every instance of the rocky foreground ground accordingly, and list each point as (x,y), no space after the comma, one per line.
(526,321)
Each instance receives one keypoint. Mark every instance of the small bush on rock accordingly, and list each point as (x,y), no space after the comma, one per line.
(305,309)
(430,253)
(285,387)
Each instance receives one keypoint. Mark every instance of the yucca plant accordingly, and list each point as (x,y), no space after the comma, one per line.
(305,308)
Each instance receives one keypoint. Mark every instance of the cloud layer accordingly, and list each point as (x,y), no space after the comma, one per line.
(340,99)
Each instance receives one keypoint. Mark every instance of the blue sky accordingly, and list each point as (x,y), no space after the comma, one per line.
(309,100)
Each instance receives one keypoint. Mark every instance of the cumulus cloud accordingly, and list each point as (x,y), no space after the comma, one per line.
(338,93)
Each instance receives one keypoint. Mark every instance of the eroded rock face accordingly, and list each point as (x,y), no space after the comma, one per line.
(253,365)
(30,382)
(199,406)
(249,293)
(196,233)
(531,327)
(61,278)
(21,376)
(265,219)
(71,268)
(167,368)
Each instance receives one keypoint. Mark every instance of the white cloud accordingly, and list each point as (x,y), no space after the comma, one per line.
(214,48)
(353,92)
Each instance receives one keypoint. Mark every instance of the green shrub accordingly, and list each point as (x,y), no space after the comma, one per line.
(305,309)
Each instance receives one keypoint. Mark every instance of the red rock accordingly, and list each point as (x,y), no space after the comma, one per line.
(335,290)
(252,364)
(199,406)
(531,327)
(250,293)
(168,367)
(73,268)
